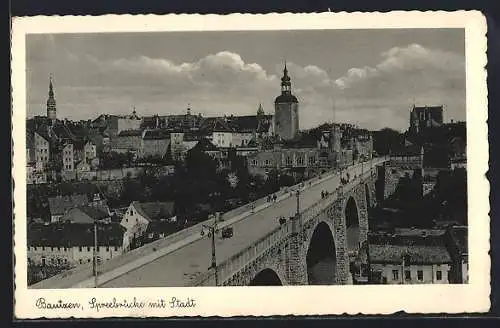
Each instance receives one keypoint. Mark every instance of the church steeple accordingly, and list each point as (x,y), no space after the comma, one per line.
(51,102)
(260,110)
(286,85)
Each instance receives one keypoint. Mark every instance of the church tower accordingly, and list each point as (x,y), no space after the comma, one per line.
(51,103)
(286,110)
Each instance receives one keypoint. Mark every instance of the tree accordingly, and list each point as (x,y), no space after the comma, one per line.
(386,140)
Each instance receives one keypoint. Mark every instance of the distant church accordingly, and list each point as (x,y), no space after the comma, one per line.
(286,107)
(422,118)
(51,104)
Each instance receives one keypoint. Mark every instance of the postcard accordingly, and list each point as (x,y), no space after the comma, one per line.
(277,164)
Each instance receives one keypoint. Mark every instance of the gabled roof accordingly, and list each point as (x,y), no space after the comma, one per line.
(154,211)
(59,205)
(205,145)
(156,134)
(84,214)
(416,254)
(130,133)
(70,235)
(251,123)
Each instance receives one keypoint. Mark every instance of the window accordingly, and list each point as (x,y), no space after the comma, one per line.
(88,260)
(43,248)
(98,248)
(58,248)
(88,249)
(439,275)
(254,162)
(107,248)
(395,274)
(131,212)
(52,249)
(312,160)
(420,275)
(267,162)
(80,248)
(116,248)
(80,261)
(407,274)
(288,161)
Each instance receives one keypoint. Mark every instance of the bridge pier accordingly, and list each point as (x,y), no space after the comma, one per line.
(336,214)
(295,264)
(361,201)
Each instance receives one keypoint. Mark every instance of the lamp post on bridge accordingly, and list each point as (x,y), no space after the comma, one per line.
(212,230)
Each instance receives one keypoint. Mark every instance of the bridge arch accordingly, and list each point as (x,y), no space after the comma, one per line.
(351,213)
(321,259)
(266,277)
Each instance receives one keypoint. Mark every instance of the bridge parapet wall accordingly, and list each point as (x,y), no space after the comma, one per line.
(239,269)
(284,249)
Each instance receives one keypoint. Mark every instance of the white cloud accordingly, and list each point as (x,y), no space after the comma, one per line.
(223,82)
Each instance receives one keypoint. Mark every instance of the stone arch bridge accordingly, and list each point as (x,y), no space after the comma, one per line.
(314,247)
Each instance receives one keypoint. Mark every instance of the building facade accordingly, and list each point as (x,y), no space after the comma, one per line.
(154,142)
(138,217)
(425,117)
(300,159)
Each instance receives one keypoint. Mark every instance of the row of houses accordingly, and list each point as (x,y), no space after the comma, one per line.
(55,145)
(68,240)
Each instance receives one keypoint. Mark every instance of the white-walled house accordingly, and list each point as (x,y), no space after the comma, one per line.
(68,157)
(89,150)
(138,217)
(72,244)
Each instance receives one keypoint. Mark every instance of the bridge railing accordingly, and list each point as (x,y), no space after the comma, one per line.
(238,261)
(249,206)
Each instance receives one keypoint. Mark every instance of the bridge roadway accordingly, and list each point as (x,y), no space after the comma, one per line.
(182,261)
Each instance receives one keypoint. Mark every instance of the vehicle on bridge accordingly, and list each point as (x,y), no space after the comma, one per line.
(227,232)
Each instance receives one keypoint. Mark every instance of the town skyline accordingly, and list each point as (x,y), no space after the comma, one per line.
(222,76)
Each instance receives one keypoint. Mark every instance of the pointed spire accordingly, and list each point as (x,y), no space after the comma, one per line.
(51,87)
(285,70)
(260,110)
(51,102)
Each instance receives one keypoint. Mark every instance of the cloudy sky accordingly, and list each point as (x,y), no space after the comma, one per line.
(366,77)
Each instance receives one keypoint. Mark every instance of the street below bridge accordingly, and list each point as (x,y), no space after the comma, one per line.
(182,266)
